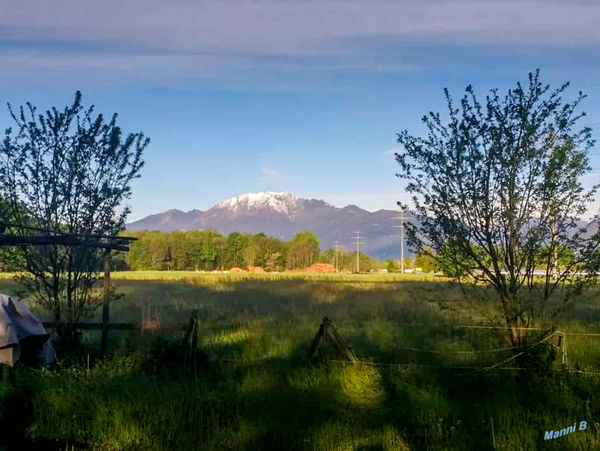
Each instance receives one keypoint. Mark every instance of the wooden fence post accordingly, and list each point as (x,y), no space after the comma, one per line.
(328,332)
(314,351)
(190,344)
(105,302)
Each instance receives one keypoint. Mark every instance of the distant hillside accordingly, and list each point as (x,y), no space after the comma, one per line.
(282,215)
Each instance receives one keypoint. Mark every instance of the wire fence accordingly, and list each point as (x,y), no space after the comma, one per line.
(495,367)
(470,326)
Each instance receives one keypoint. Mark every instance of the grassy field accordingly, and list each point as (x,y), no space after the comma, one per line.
(256,389)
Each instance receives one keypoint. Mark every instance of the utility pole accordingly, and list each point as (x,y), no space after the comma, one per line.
(401,227)
(337,256)
(358,242)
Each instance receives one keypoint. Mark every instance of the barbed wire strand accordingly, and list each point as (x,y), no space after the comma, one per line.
(416,365)
(520,353)
(457,352)
(467,326)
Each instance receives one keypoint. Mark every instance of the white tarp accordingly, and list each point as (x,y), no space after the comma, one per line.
(17,324)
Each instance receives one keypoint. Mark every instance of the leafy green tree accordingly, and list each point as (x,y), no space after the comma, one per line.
(327,256)
(391,265)
(179,249)
(452,262)
(366,262)
(220,244)
(208,249)
(11,259)
(501,180)
(302,251)
(234,250)
(251,254)
(68,170)
(563,257)
(272,252)
(425,259)
(274,262)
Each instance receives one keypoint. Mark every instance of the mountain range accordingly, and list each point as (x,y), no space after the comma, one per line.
(282,215)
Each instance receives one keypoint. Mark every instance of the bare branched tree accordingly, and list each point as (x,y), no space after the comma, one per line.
(67,171)
(497,188)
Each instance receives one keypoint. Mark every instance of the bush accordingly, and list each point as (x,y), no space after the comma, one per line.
(537,358)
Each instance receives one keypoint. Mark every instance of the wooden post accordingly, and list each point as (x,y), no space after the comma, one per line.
(188,340)
(562,344)
(106,301)
(328,332)
(189,344)
(564,350)
(566,356)
(343,349)
(314,352)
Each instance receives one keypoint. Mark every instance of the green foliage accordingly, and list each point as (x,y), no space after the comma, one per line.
(257,390)
(426,260)
(207,250)
(302,251)
(453,261)
(169,359)
(234,250)
(562,257)
(499,183)
(347,262)
(67,170)
(11,258)
(327,256)
(537,359)
(391,265)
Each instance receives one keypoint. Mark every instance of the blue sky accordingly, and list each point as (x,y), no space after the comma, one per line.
(301,96)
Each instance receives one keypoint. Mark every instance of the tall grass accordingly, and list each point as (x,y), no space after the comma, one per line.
(258,390)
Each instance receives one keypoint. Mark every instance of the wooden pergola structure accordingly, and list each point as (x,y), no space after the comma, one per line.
(46,237)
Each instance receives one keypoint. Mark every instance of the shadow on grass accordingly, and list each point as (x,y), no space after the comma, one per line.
(288,403)
(283,402)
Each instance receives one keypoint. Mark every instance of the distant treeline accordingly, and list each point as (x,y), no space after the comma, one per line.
(208,250)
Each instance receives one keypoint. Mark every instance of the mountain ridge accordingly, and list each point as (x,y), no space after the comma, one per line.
(282,215)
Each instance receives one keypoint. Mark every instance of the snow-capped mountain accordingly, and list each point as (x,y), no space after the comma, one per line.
(285,203)
(282,214)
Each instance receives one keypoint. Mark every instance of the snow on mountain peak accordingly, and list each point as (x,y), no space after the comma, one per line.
(284,202)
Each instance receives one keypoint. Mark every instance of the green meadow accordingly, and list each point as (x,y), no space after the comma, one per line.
(253,386)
